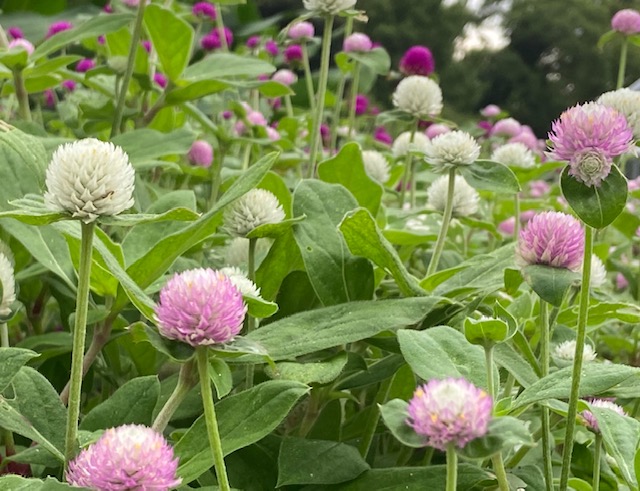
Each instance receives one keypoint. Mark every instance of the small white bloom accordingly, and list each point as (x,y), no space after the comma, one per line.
(8,285)
(241,282)
(328,6)
(515,155)
(255,208)
(89,178)
(465,198)
(418,96)
(598,272)
(401,144)
(627,103)
(451,150)
(344,132)
(567,350)
(376,165)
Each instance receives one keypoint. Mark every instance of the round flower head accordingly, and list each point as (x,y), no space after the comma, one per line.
(212,40)
(376,165)
(271,47)
(417,60)
(204,10)
(626,21)
(598,272)
(490,111)
(551,239)
(451,150)
(538,188)
(255,208)
(590,419)
(200,307)
(362,104)
(357,42)
(465,198)
(22,43)
(401,144)
(436,129)
(627,103)
(514,155)
(450,411)
(293,53)
(419,96)
(126,458)
(301,30)
(85,65)
(57,27)
(380,134)
(15,32)
(566,351)
(285,77)
(588,136)
(89,179)
(8,285)
(241,281)
(201,153)
(328,6)
(506,127)
(528,138)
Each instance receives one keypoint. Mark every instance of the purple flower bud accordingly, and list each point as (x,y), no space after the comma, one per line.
(253,42)
(590,419)
(15,32)
(362,104)
(626,21)
(201,153)
(70,85)
(271,47)
(293,53)
(490,111)
(101,40)
(108,9)
(57,27)
(301,30)
(381,135)
(147,46)
(227,114)
(160,79)
(205,10)
(85,65)
(417,60)
(357,42)
(212,41)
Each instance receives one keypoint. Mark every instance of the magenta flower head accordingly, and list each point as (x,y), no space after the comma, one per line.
(417,60)
(15,32)
(301,30)
(449,412)
(551,239)
(57,27)
(70,85)
(201,153)
(160,79)
(271,47)
(126,457)
(380,134)
(588,136)
(253,42)
(590,419)
(357,42)
(212,41)
(204,10)
(85,65)
(200,307)
(146,45)
(293,53)
(362,104)
(626,21)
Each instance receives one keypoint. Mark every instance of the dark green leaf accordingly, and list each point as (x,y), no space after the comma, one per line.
(550,283)
(490,176)
(394,414)
(11,360)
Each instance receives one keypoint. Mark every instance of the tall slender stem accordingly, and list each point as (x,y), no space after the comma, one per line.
(251,321)
(311,93)
(446,219)
(210,418)
(516,214)
(7,435)
(583,314)
(597,455)
(544,369)
(498,463)
(354,97)
(406,178)
(220,27)
(488,357)
(322,90)
(128,73)
(374,417)
(452,468)
(22,95)
(216,169)
(288,105)
(79,335)
(186,381)
(337,107)
(501,473)
(623,63)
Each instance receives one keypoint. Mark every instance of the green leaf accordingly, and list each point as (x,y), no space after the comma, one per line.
(228,66)
(24,165)
(283,258)
(319,372)
(509,359)
(144,144)
(377,59)
(597,206)
(175,350)
(486,175)
(347,168)
(48,66)
(274,229)
(394,414)
(133,403)
(606,38)
(11,360)
(258,411)
(195,90)
(32,211)
(364,238)
(503,434)
(311,331)
(259,307)
(172,38)
(220,375)
(19,483)
(15,58)
(550,283)
(486,331)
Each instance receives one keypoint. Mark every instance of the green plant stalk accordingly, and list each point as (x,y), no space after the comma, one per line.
(373,418)
(446,219)
(354,97)
(337,107)
(544,368)
(22,95)
(131,59)
(407,176)
(251,321)
(202,354)
(288,105)
(79,335)
(508,385)
(498,463)
(220,27)
(452,468)
(246,157)
(314,139)
(7,435)
(308,78)
(596,463)
(516,214)
(186,382)
(500,472)
(216,169)
(583,314)
(623,63)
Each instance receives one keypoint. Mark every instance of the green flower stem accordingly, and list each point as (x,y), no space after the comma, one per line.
(337,107)
(544,368)
(498,463)
(597,455)
(452,468)
(215,169)
(488,357)
(623,63)
(374,418)
(186,381)
(202,354)
(287,102)
(131,59)
(508,385)
(406,177)
(7,435)
(583,314)
(251,321)
(246,158)
(22,95)
(354,97)
(79,335)
(220,27)
(516,214)
(308,77)
(428,455)
(4,335)
(500,472)
(314,139)
(520,454)
(446,219)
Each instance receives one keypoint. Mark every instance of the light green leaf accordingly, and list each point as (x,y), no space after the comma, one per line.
(319,372)
(11,360)
(549,283)
(172,38)
(486,175)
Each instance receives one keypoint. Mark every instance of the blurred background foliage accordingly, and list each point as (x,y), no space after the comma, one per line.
(551,59)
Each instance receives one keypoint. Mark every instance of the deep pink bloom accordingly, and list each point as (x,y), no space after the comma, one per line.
(146,45)
(160,79)
(57,27)
(227,114)
(201,153)
(417,60)
(22,43)
(506,127)
(253,42)
(70,85)
(126,457)
(85,65)
(626,21)
(436,129)
(212,40)
(200,307)
(301,30)
(588,136)
(450,411)
(101,40)
(204,9)
(382,135)
(325,132)
(490,111)
(362,104)
(358,42)
(486,126)
(293,53)
(108,9)
(551,239)
(15,32)
(49,98)
(590,419)
(271,47)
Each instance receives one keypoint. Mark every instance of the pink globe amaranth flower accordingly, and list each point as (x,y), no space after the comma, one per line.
(486,126)
(146,45)
(527,138)
(85,65)
(108,9)
(15,32)
(436,129)
(212,41)
(293,53)
(551,239)
(506,127)
(201,153)
(357,42)
(200,307)
(160,79)
(101,40)
(490,111)
(621,282)
(301,30)
(57,27)
(70,85)
(285,77)
(272,134)
(362,104)
(227,114)
(538,189)
(21,43)
(271,47)
(124,458)
(633,184)
(449,412)
(508,226)
(417,60)
(253,42)
(49,98)
(381,135)
(325,132)
(590,419)
(204,10)
(588,136)
(527,215)
(626,21)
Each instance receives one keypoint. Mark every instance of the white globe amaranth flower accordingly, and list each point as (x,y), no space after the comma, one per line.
(419,96)
(257,207)
(566,351)
(514,155)
(89,178)
(328,6)
(465,198)
(8,285)
(376,165)
(598,272)
(627,103)
(241,281)
(457,148)
(403,144)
